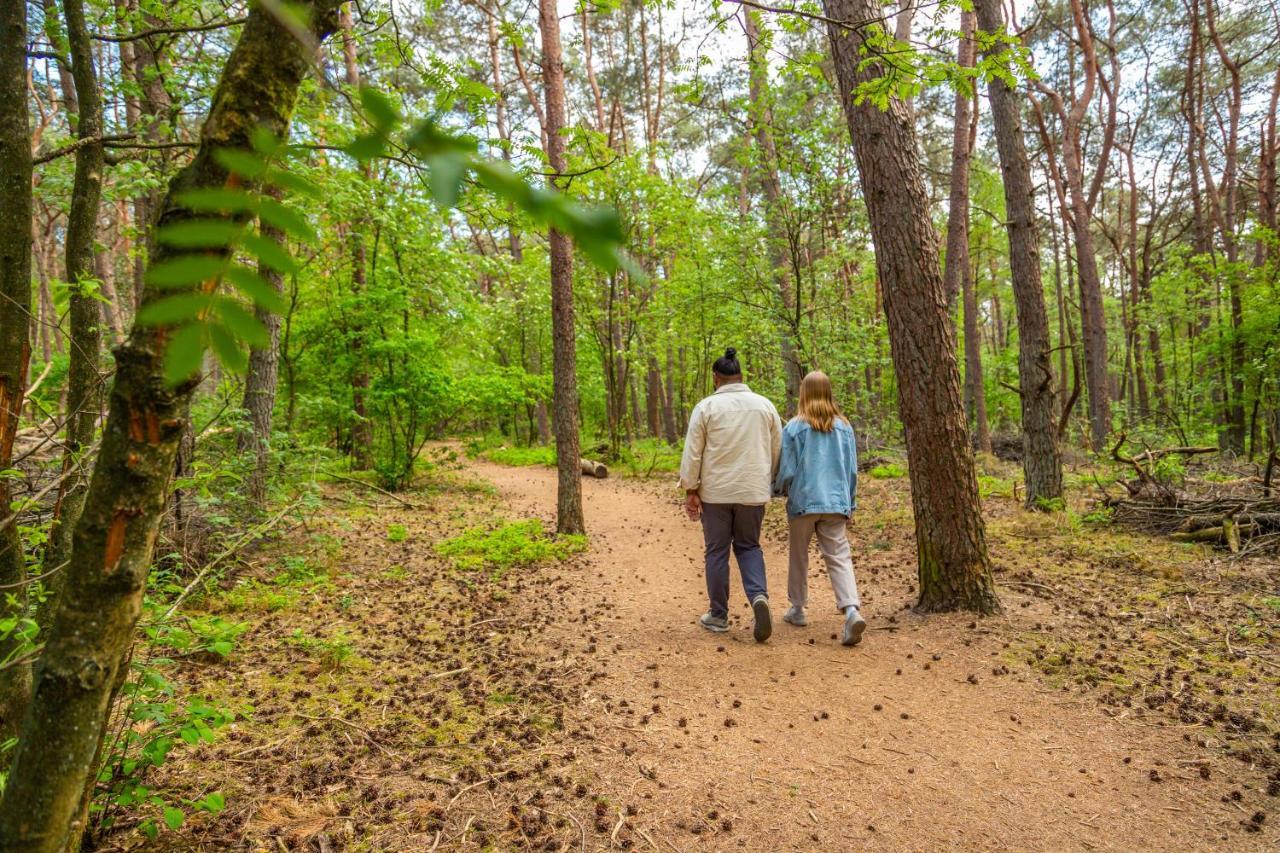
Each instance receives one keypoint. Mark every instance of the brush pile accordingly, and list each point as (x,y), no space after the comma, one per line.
(1241,515)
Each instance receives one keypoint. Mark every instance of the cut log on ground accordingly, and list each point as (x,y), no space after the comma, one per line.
(594,469)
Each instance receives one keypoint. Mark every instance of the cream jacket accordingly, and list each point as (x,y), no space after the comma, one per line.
(732,448)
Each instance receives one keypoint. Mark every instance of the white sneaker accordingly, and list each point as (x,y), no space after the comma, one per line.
(795,616)
(715,624)
(854,626)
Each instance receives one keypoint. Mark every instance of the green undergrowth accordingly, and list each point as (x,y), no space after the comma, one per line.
(508,545)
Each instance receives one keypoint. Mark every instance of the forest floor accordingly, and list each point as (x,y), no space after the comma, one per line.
(1129,698)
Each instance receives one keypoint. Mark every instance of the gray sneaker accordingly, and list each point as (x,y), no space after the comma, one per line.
(854,626)
(795,616)
(715,624)
(764,621)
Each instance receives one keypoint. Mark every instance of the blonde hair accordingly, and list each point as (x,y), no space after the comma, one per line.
(817,407)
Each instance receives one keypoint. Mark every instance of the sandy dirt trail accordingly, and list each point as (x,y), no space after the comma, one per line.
(720,743)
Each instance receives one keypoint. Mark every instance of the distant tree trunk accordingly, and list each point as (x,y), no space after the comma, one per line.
(975,390)
(954,569)
(260,381)
(1041,460)
(112,548)
(775,214)
(84,396)
(669,430)
(1078,205)
(653,398)
(361,428)
(15,335)
(563,330)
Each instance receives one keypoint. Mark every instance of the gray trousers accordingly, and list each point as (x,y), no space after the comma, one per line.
(833,542)
(737,526)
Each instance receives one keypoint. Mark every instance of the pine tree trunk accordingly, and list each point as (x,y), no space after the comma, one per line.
(361,428)
(15,328)
(112,547)
(975,390)
(563,330)
(957,260)
(954,569)
(1041,460)
(84,381)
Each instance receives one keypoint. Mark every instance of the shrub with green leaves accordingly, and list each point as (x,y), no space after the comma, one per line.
(888,471)
(508,545)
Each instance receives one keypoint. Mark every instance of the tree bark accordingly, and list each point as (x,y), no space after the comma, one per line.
(114,538)
(975,390)
(260,381)
(15,331)
(563,330)
(1041,459)
(361,428)
(957,260)
(1078,204)
(84,382)
(954,569)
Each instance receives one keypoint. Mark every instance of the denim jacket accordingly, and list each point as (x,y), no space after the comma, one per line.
(819,470)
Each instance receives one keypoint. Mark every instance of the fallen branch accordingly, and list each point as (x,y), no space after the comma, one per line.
(380,491)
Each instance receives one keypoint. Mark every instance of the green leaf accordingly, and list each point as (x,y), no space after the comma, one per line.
(269,252)
(186,270)
(228,350)
(256,288)
(173,818)
(366,147)
(286,219)
(243,163)
(446,177)
(172,310)
(242,324)
(293,182)
(218,200)
(199,233)
(213,802)
(183,355)
(382,113)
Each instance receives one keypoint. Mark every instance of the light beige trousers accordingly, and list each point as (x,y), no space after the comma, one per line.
(833,542)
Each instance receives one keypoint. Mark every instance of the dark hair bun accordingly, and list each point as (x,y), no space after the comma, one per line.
(728,365)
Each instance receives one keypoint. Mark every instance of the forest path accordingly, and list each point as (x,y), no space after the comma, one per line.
(722,743)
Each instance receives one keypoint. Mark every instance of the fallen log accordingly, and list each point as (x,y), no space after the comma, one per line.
(594,469)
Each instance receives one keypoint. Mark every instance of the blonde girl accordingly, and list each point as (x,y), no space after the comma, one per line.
(818,473)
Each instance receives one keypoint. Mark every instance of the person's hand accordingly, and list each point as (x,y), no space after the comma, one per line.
(693,506)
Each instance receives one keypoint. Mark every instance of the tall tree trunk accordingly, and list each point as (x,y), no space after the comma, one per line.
(957,260)
(361,428)
(84,396)
(1041,460)
(669,429)
(563,331)
(775,213)
(15,335)
(954,569)
(1078,204)
(975,391)
(114,538)
(260,380)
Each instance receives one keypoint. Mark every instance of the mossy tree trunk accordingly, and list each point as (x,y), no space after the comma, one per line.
(954,569)
(84,381)
(93,624)
(15,332)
